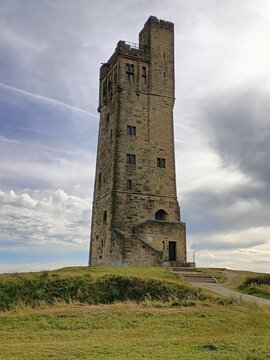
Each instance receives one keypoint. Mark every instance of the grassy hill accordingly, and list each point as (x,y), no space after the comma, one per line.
(247,282)
(58,315)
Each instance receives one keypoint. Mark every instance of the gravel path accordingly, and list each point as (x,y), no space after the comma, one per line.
(227,292)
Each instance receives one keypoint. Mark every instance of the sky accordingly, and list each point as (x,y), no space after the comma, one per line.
(50,54)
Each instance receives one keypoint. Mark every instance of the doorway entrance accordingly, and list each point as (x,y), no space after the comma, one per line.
(172,251)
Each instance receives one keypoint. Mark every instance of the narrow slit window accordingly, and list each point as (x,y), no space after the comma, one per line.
(144,75)
(115,75)
(105,216)
(104,89)
(99,180)
(131,130)
(129,184)
(107,119)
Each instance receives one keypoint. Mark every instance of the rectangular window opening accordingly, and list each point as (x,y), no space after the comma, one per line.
(161,162)
(99,179)
(104,89)
(150,237)
(129,72)
(131,159)
(131,130)
(115,76)
(129,184)
(144,75)
(107,119)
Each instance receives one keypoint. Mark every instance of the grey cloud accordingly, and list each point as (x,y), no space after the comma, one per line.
(219,245)
(238,122)
(209,211)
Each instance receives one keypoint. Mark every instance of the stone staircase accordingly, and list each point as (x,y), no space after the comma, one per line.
(193,275)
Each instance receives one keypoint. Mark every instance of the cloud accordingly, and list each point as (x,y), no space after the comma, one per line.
(223,175)
(43,218)
(27,165)
(239,130)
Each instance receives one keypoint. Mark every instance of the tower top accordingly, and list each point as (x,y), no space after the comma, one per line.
(153,20)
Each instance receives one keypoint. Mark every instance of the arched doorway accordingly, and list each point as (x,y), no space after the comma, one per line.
(161,215)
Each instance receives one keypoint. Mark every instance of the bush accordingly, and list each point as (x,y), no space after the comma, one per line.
(257,285)
(256,280)
(49,288)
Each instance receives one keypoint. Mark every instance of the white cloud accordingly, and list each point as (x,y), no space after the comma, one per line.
(44,217)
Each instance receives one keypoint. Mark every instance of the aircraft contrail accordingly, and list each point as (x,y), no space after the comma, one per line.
(46,99)
(51,4)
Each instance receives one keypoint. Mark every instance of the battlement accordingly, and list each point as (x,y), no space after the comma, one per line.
(127,49)
(153,20)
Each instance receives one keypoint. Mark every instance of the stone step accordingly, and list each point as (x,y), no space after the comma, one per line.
(184,269)
(199,279)
(192,274)
(195,274)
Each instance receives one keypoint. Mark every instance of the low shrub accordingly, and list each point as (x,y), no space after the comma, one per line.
(50,288)
(257,280)
(257,285)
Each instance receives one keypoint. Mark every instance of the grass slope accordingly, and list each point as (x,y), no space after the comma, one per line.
(95,286)
(247,282)
(149,329)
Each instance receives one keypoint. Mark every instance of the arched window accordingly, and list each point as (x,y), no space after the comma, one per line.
(161,215)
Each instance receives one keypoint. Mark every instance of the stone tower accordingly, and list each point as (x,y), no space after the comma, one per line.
(136,216)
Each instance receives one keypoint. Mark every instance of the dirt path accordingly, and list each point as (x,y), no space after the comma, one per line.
(227,292)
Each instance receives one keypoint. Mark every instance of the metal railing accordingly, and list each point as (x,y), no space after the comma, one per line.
(132,45)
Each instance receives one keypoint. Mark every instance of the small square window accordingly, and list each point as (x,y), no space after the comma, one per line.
(131,159)
(131,130)
(161,162)
(150,237)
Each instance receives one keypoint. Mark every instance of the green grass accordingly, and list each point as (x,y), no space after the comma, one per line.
(96,286)
(135,332)
(247,282)
(167,319)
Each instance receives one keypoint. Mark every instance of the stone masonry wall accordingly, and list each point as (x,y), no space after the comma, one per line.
(123,217)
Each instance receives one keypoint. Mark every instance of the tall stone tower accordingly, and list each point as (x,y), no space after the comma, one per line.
(136,216)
